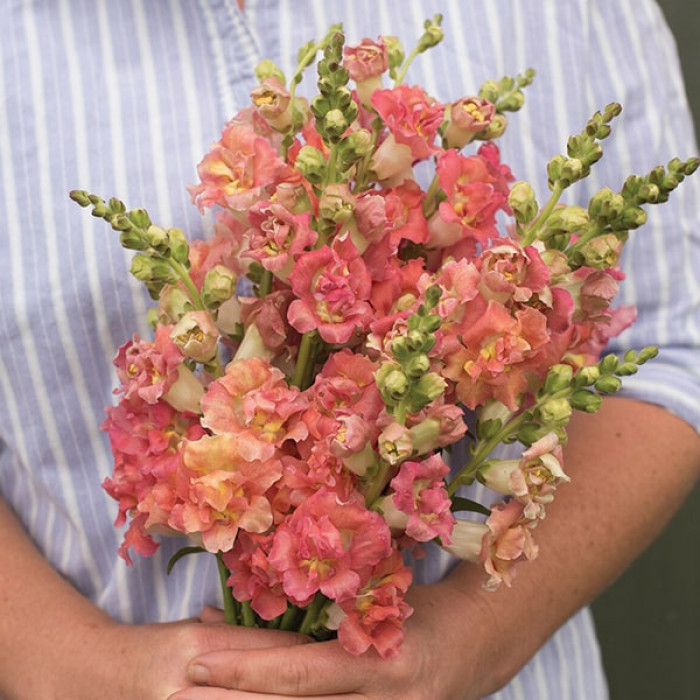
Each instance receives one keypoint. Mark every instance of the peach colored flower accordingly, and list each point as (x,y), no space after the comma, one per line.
(412,117)
(323,544)
(333,287)
(253,401)
(148,369)
(465,118)
(508,540)
(376,614)
(533,479)
(277,236)
(498,350)
(226,491)
(238,169)
(419,491)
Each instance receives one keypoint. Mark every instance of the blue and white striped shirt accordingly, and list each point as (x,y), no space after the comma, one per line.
(123,98)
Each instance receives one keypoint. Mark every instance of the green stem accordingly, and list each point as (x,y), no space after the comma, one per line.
(312,613)
(429,205)
(543,215)
(289,618)
(332,164)
(230,606)
(186,280)
(247,615)
(405,66)
(304,359)
(265,283)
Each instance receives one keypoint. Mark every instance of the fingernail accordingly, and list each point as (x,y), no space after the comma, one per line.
(196,673)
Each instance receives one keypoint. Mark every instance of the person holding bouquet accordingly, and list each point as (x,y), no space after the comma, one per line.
(125,98)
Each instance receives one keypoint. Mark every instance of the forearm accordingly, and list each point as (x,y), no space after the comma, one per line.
(41,615)
(631,466)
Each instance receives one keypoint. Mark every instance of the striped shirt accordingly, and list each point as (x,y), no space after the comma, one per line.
(123,98)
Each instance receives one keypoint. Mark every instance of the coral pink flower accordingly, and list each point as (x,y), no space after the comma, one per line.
(419,491)
(510,273)
(368,59)
(533,479)
(375,615)
(466,118)
(498,350)
(508,540)
(253,399)
(333,286)
(237,170)
(146,441)
(475,191)
(252,577)
(412,117)
(269,314)
(277,236)
(148,369)
(225,492)
(324,543)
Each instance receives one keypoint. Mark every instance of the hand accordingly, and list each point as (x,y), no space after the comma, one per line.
(437,660)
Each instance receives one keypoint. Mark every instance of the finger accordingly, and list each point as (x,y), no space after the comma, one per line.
(319,669)
(232,638)
(211,614)
(221,694)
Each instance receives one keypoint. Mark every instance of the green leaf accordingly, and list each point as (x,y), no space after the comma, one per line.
(182,553)
(466,504)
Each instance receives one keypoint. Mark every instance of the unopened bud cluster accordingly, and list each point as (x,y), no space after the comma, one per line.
(566,390)
(405,381)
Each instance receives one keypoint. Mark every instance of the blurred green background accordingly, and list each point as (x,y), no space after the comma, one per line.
(649,620)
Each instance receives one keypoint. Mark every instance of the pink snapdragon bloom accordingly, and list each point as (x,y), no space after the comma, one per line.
(508,540)
(252,577)
(269,314)
(368,59)
(277,236)
(238,169)
(148,369)
(147,441)
(226,491)
(323,544)
(533,479)
(467,117)
(366,62)
(376,614)
(512,274)
(273,102)
(498,350)
(333,286)
(419,491)
(253,401)
(412,117)
(197,336)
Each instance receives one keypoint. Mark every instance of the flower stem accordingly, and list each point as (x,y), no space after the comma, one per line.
(312,614)
(543,215)
(230,606)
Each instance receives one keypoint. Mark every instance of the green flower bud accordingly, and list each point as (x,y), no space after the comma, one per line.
(148,269)
(626,369)
(609,364)
(521,199)
(80,197)
(602,252)
(495,129)
(568,219)
(608,384)
(335,123)
(311,163)
(336,203)
(179,247)
(219,286)
(555,412)
(587,401)
(132,239)
(490,90)
(267,69)
(559,377)
(425,390)
(587,375)
(433,34)
(157,238)
(139,218)
(417,366)
(646,354)
(395,53)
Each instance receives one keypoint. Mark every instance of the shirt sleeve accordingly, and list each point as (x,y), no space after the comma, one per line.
(662,259)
